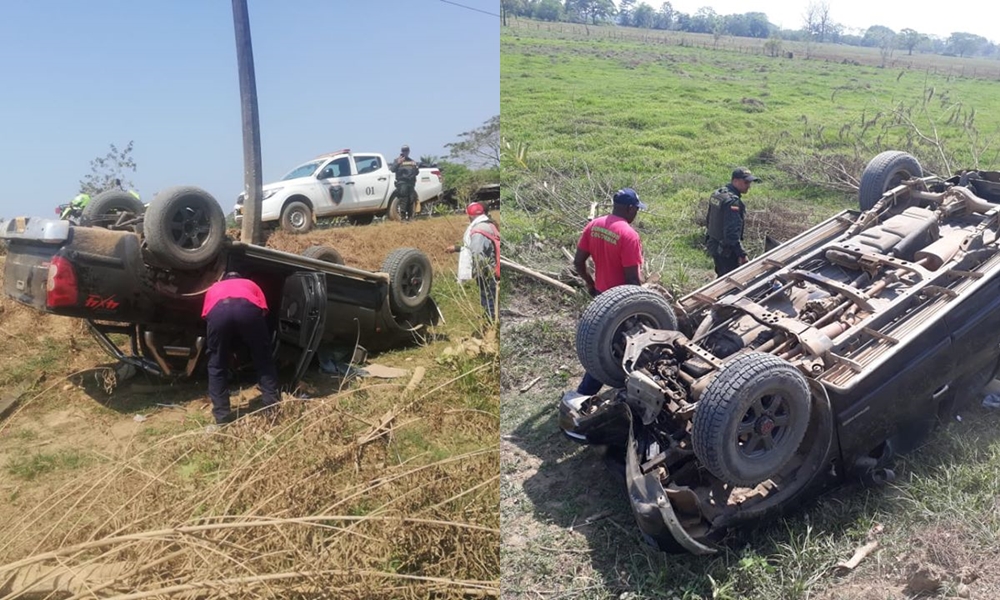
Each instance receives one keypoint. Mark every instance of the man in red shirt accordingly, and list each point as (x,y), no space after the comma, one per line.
(235,309)
(616,251)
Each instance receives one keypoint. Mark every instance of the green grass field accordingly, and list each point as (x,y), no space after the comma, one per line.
(592,114)
(584,114)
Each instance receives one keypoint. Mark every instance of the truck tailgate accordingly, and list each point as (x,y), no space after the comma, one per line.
(26,272)
(32,242)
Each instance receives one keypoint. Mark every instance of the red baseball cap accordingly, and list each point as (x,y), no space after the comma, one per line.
(475,209)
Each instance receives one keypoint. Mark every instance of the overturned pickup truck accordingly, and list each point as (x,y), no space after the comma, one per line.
(144,273)
(809,365)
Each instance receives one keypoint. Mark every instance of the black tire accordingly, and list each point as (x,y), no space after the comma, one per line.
(393,213)
(751,419)
(600,340)
(410,279)
(361,219)
(296,217)
(324,253)
(102,210)
(884,172)
(184,227)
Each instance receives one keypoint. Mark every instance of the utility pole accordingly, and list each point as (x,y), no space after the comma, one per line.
(252,183)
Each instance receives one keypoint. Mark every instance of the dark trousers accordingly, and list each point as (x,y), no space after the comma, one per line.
(725,264)
(488,294)
(407,197)
(231,320)
(589,386)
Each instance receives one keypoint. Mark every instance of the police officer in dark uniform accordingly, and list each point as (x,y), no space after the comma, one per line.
(406,170)
(726,216)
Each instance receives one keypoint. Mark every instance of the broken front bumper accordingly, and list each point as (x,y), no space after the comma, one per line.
(605,420)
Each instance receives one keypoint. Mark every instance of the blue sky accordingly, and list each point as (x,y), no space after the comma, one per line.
(76,76)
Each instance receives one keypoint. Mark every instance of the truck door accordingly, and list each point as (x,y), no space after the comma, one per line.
(302,317)
(340,186)
(372,180)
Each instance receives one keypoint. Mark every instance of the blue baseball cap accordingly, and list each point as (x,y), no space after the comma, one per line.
(628,197)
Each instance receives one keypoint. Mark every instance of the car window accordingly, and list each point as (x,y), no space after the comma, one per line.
(303,171)
(340,167)
(367,163)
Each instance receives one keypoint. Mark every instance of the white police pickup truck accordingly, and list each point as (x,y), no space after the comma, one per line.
(358,186)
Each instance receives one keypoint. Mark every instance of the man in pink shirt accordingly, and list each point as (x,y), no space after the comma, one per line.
(616,251)
(235,309)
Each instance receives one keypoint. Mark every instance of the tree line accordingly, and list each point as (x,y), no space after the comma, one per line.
(817,25)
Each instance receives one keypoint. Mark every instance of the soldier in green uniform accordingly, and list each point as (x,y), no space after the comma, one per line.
(726,216)
(406,170)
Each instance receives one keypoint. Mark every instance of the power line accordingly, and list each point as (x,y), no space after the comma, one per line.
(471,8)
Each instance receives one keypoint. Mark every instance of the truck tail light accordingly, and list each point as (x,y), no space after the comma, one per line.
(436,172)
(61,289)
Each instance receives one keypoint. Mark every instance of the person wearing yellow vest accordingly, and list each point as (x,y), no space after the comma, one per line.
(479,256)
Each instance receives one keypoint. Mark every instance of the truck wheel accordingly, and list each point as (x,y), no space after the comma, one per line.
(103,209)
(361,219)
(324,253)
(184,227)
(751,419)
(884,172)
(600,335)
(296,218)
(393,213)
(410,278)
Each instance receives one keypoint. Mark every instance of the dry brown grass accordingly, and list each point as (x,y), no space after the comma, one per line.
(367,246)
(331,502)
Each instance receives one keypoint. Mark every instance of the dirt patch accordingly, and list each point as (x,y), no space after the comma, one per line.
(939,561)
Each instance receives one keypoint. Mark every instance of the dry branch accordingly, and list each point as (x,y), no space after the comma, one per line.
(536,275)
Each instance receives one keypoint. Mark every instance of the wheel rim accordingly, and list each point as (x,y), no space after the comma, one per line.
(764,426)
(412,280)
(297,218)
(190,227)
(618,339)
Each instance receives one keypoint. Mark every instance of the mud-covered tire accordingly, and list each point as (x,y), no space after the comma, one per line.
(751,418)
(324,253)
(884,172)
(184,227)
(296,217)
(600,341)
(410,279)
(393,212)
(361,219)
(103,208)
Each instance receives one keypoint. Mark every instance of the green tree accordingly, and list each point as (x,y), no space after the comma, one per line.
(625,8)
(664,17)
(910,39)
(966,44)
(508,8)
(107,171)
(704,20)
(595,10)
(644,16)
(548,10)
(876,35)
(479,146)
